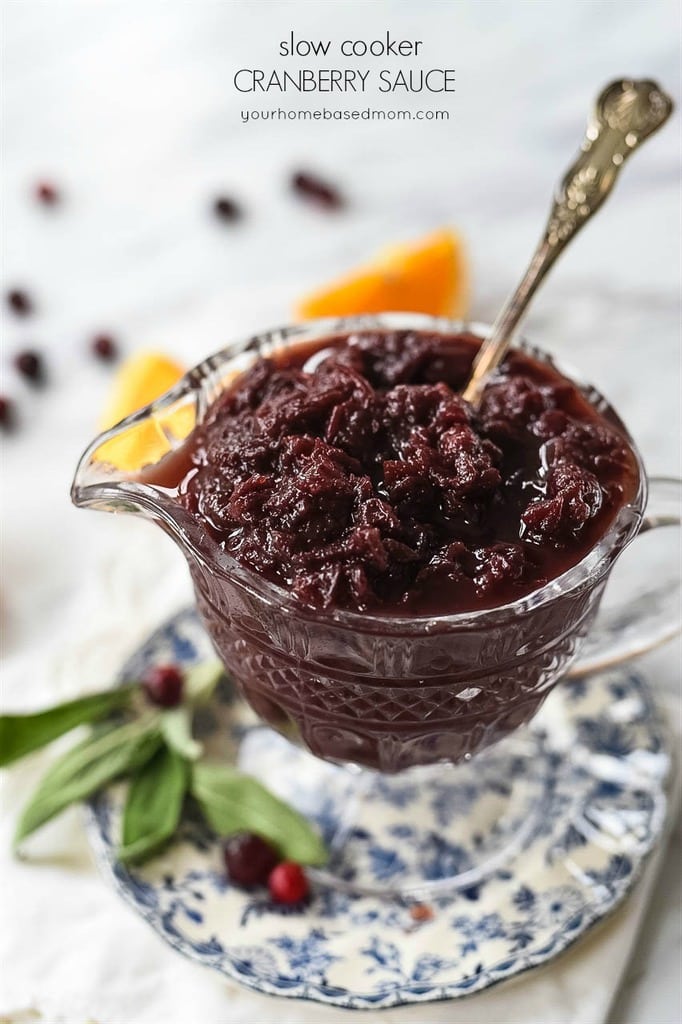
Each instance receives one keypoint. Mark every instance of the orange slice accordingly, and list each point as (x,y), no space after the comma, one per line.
(428,276)
(140,380)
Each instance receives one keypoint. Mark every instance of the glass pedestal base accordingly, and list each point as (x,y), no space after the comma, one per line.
(421,833)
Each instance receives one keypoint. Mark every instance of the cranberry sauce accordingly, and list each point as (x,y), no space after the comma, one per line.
(354,475)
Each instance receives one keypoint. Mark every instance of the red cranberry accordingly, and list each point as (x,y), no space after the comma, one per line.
(104,347)
(31,366)
(47,193)
(421,912)
(314,188)
(249,859)
(226,208)
(163,685)
(7,416)
(288,883)
(19,301)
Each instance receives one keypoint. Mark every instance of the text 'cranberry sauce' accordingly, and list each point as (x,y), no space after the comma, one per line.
(353,474)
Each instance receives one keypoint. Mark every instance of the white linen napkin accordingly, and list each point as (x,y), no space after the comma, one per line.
(72,953)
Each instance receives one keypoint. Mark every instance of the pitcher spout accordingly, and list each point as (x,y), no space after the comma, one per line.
(135,467)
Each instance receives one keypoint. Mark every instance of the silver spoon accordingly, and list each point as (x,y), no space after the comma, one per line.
(625,114)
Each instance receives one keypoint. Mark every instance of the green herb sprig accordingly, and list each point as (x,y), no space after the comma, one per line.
(155,749)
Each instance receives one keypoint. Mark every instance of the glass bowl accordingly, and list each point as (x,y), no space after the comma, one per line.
(376,692)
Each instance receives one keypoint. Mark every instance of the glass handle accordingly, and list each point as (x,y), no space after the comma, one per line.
(650,614)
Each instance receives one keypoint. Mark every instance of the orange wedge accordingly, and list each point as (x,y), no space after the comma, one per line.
(140,380)
(428,276)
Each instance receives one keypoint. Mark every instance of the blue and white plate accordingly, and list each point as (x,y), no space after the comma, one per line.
(606,763)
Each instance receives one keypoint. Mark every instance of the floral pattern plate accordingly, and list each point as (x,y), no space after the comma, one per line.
(609,763)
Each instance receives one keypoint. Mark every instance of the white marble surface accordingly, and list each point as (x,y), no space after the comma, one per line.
(129,106)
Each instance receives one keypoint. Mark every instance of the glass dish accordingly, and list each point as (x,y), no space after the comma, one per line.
(378,693)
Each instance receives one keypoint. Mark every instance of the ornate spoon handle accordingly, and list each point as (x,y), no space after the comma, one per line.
(625,114)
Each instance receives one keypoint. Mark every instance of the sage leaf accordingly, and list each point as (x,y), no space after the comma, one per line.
(87,767)
(176,726)
(201,681)
(153,805)
(234,802)
(22,734)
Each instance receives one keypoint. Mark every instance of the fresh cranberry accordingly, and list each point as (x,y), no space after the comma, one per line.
(30,365)
(421,912)
(19,301)
(163,685)
(249,859)
(7,417)
(104,347)
(314,188)
(226,208)
(47,193)
(288,883)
